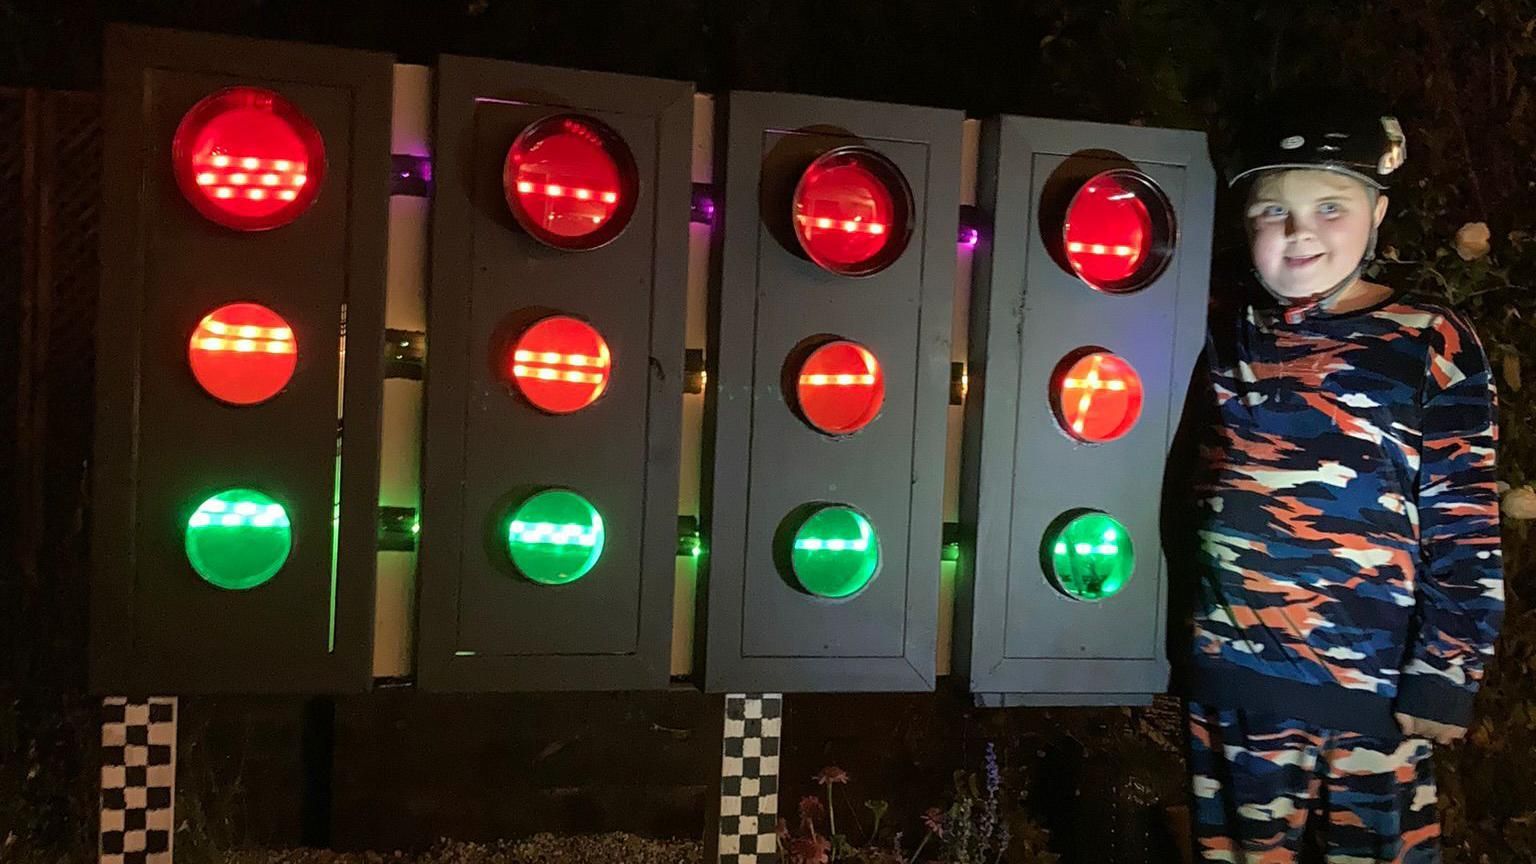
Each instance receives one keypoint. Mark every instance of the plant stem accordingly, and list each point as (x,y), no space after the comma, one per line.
(919,850)
(831,817)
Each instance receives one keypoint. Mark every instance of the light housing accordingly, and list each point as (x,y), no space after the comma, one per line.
(560,364)
(243,353)
(839,387)
(1088,555)
(834,552)
(554,537)
(852,211)
(570,182)
(1096,395)
(1119,232)
(238,539)
(248,159)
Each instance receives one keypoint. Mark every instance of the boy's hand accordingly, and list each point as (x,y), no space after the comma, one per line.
(1441,733)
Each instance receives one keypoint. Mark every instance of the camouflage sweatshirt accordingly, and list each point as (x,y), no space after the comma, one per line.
(1348,519)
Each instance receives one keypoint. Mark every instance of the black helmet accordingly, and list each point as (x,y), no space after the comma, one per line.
(1320,128)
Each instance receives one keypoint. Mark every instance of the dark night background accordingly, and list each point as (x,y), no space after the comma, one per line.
(409,768)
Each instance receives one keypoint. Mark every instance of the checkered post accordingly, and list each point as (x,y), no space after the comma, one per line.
(749,778)
(138,780)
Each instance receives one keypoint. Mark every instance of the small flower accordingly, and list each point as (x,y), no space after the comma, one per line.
(933,820)
(811,809)
(1472,241)
(830,774)
(810,850)
(782,829)
(1520,503)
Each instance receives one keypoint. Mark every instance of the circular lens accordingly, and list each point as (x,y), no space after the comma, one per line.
(1090,557)
(835,552)
(560,364)
(852,212)
(840,388)
(243,353)
(247,159)
(555,537)
(1097,396)
(1119,231)
(238,539)
(570,182)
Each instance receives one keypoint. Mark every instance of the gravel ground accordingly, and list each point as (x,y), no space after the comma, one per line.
(613,848)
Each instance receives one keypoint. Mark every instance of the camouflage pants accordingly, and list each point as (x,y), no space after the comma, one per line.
(1257,780)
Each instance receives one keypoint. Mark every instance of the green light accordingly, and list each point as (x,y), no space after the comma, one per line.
(835,552)
(1091,556)
(555,537)
(238,539)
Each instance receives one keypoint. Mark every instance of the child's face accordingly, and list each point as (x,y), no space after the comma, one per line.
(1307,229)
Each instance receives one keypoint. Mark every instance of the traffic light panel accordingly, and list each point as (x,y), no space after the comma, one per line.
(1087,313)
(239,364)
(555,378)
(829,386)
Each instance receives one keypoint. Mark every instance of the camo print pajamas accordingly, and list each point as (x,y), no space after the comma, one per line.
(1348,566)
(1255,780)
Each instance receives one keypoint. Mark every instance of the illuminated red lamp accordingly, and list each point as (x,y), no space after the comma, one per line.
(1118,234)
(248,159)
(560,364)
(1096,395)
(852,211)
(839,388)
(243,353)
(570,182)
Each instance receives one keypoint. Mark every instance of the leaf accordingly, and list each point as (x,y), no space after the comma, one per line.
(1512,370)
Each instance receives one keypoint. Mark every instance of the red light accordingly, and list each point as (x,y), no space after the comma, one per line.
(570,182)
(560,364)
(840,388)
(243,353)
(1117,231)
(1098,397)
(247,159)
(852,212)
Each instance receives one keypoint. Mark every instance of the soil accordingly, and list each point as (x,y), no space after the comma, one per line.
(611,848)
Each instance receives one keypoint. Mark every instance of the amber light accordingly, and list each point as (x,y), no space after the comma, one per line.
(840,388)
(243,353)
(852,212)
(248,159)
(1097,396)
(570,182)
(560,364)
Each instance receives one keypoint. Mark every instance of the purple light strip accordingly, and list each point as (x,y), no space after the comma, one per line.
(970,225)
(410,175)
(703,210)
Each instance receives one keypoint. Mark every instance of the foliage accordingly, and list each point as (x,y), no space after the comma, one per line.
(982,824)
(972,830)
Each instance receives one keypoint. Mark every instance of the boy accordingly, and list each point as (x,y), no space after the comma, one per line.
(1350,581)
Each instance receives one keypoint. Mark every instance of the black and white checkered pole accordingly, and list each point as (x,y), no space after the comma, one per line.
(749,778)
(138,780)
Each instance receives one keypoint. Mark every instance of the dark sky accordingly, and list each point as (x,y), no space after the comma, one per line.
(1046,57)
